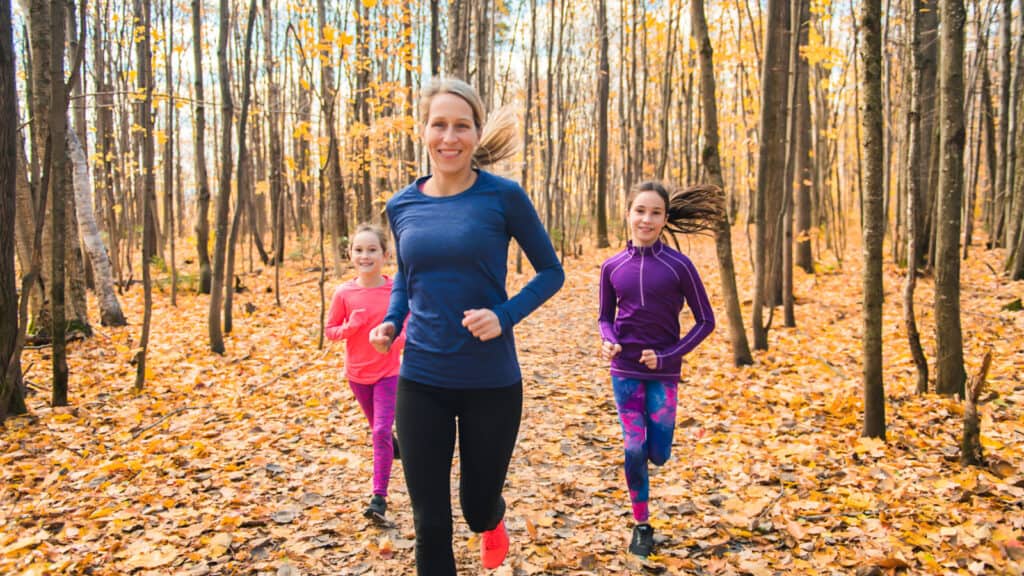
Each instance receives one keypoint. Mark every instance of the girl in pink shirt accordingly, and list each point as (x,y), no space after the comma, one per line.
(359,305)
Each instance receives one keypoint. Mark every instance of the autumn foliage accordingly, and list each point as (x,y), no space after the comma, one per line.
(258,462)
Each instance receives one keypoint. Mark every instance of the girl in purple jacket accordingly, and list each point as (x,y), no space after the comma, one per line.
(643,289)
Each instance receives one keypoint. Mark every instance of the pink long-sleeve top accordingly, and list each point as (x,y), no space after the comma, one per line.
(355,311)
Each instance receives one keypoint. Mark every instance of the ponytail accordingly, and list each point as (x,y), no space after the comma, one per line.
(689,210)
(499,140)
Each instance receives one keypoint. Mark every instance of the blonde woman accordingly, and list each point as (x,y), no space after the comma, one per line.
(460,375)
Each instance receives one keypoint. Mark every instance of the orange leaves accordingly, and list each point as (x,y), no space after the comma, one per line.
(261,461)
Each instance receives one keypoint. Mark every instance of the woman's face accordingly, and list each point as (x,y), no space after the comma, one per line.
(647,218)
(451,135)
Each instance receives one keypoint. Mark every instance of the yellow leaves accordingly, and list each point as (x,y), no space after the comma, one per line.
(101,513)
(27,542)
(218,545)
(874,447)
(154,558)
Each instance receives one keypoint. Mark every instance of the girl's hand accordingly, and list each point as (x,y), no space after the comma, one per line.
(382,336)
(649,358)
(482,323)
(609,350)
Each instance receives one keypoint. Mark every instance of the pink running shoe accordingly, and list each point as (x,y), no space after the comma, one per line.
(494,546)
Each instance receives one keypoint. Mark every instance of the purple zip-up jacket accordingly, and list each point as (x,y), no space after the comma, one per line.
(648,286)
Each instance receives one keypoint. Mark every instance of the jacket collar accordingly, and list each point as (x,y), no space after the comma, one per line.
(653,249)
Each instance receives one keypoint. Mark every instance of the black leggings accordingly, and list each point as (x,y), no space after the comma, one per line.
(488,423)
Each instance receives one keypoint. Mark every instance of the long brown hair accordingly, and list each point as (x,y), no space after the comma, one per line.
(689,210)
(498,133)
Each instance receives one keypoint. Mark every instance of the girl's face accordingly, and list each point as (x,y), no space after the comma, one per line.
(647,218)
(366,253)
(451,135)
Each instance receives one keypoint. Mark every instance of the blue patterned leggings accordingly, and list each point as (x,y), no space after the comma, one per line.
(647,412)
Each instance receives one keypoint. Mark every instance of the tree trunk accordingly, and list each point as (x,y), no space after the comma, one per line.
(145,120)
(58,180)
(224,185)
(971,453)
(106,145)
(242,193)
(361,115)
(12,400)
(202,180)
(949,353)
(457,55)
(168,159)
(277,200)
(914,208)
(926,19)
(337,219)
(110,308)
(603,78)
(435,38)
(712,164)
(1001,192)
(804,161)
(1016,255)
(484,81)
(770,166)
(874,218)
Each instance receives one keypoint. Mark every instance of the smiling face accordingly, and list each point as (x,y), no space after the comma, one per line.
(647,218)
(366,253)
(451,135)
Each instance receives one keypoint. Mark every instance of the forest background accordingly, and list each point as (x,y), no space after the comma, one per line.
(166,165)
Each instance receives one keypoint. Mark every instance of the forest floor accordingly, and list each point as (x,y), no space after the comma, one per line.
(259,461)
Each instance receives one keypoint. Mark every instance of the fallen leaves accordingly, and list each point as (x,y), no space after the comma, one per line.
(259,461)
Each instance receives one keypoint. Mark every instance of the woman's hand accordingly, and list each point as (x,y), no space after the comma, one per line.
(609,350)
(382,336)
(649,358)
(482,323)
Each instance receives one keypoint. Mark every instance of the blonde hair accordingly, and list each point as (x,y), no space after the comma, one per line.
(498,134)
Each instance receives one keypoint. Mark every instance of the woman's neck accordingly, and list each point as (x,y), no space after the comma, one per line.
(441,184)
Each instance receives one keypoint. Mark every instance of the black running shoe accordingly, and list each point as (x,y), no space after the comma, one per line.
(378,507)
(642,543)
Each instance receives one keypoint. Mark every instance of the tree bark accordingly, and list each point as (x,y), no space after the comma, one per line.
(457,54)
(202,180)
(874,218)
(971,453)
(12,399)
(1001,192)
(914,208)
(145,119)
(168,159)
(337,219)
(1016,255)
(927,20)
(58,181)
(110,308)
(770,166)
(224,185)
(949,368)
(242,193)
(603,78)
(712,164)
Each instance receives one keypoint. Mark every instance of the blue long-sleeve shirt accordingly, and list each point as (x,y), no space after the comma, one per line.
(648,286)
(452,256)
